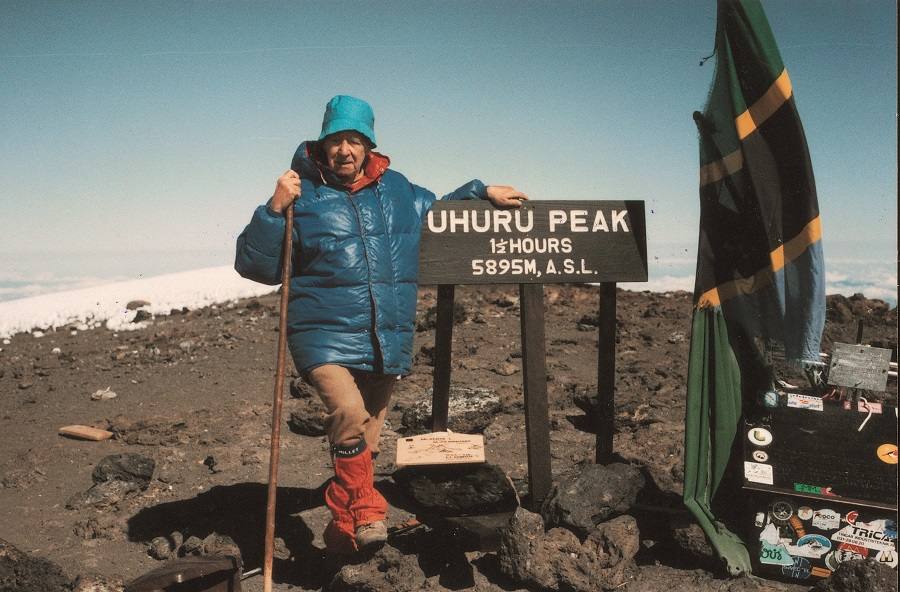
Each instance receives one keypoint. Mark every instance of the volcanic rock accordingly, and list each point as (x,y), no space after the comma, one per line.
(136,304)
(591,496)
(458,490)
(388,569)
(141,315)
(127,466)
(861,575)
(103,494)
(558,560)
(429,319)
(98,583)
(24,573)
(307,417)
(300,389)
(470,411)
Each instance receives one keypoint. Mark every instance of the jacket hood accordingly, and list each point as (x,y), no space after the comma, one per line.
(308,164)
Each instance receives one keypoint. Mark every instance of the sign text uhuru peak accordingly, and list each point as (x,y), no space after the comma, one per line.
(522,220)
(540,242)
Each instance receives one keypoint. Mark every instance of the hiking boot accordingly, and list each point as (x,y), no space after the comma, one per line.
(371,534)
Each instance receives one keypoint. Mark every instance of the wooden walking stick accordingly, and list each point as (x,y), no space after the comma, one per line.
(279,395)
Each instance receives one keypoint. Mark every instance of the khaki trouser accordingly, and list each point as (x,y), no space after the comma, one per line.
(356,402)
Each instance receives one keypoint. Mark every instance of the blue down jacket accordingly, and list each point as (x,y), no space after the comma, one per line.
(355,265)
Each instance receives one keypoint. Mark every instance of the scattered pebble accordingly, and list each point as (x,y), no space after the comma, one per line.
(103,394)
(55,351)
(37,333)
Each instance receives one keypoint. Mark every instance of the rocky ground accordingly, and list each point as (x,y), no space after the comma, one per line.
(192,393)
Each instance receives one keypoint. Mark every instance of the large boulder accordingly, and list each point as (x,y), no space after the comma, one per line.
(23,573)
(593,495)
(307,417)
(458,490)
(557,560)
(861,575)
(470,411)
(387,569)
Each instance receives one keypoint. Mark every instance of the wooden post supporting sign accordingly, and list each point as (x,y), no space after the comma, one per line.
(467,242)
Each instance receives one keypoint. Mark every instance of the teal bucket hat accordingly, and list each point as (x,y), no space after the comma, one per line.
(344,113)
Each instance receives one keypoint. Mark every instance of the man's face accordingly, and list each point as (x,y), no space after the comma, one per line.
(345,153)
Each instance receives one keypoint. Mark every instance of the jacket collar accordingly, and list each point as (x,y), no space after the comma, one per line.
(307,164)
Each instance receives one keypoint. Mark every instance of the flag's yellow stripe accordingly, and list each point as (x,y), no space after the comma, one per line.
(719,169)
(780,257)
(780,91)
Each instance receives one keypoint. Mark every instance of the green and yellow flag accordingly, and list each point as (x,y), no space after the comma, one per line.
(760,272)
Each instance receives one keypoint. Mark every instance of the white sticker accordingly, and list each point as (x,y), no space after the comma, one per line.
(760,456)
(888,558)
(758,473)
(804,402)
(804,512)
(826,519)
(760,436)
(871,535)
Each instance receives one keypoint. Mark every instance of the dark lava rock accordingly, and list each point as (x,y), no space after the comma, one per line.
(862,575)
(470,411)
(458,490)
(103,494)
(300,389)
(160,548)
(127,466)
(429,319)
(141,315)
(307,417)
(115,477)
(592,496)
(664,578)
(20,572)
(153,431)
(388,569)
(98,583)
(136,304)
(558,560)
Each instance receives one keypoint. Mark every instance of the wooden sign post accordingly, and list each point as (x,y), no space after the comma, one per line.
(549,242)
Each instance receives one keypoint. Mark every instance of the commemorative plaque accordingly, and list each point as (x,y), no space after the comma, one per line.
(859,366)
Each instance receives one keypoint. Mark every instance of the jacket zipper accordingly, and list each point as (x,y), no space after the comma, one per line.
(374,303)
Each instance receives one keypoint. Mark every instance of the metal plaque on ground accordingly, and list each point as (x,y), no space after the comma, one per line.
(541,242)
(859,366)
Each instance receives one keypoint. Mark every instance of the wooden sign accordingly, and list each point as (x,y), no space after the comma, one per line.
(859,366)
(440,448)
(541,242)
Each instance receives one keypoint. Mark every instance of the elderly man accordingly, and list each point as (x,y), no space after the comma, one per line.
(353,293)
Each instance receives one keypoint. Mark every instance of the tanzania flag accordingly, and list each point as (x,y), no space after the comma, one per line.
(760,273)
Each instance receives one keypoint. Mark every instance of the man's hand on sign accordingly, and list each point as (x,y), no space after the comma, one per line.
(504,196)
(287,188)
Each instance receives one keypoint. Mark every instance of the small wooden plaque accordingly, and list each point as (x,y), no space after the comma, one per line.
(859,366)
(440,448)
(85,433)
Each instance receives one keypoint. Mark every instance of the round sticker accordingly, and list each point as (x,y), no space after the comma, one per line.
(887,453)
(763,437)
(804,512)
(851,517)
(799,570)
(826,519)
(782,510)
(815,543)
(760,456)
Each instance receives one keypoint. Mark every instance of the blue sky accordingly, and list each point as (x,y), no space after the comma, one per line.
(131,126)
